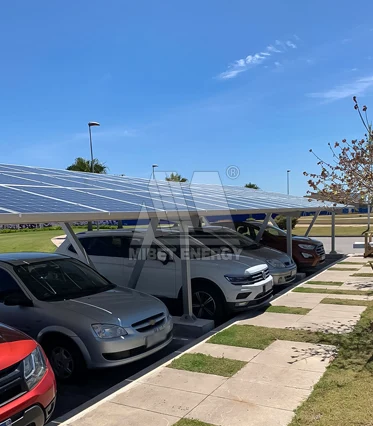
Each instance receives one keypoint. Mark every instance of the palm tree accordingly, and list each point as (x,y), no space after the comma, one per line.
(252,185)
(82,165)
(175,177)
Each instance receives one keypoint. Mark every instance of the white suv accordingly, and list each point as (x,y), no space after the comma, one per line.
(221,283)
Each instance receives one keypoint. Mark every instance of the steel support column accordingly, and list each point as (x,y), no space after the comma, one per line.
(263,227)
(333,251)
(70,234)
(311,224)
(185,272)
(143,252)
(289,236)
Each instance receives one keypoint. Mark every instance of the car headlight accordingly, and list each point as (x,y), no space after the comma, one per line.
(306,246)
(237,280)
(275,263)
(34,368)
(108,331)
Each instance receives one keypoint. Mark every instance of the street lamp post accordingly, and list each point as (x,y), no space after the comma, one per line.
(154,166)
(288,180)
(91,124)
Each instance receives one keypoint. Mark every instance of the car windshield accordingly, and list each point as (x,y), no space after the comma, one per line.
(276,232)
(197,250)
(63,279)
(222,238)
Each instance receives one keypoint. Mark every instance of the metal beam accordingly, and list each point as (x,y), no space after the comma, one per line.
(74,240)
(143,252)
(263,227)
(185,272)
(316,215)
(333,251)
(289,236)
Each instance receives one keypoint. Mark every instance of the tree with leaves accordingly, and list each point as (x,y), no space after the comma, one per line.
(347,177)
(175,177)
(252,185)
(82,165)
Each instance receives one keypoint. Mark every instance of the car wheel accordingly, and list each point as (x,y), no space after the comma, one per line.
(208,303)
(65,358)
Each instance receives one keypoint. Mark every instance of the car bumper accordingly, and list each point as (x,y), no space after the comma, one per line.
(284,276)
(261,300)
(113,353)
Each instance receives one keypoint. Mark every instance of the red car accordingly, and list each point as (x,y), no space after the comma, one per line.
(307,252)
(27,382)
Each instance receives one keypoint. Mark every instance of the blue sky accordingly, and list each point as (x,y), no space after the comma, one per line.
(191,86)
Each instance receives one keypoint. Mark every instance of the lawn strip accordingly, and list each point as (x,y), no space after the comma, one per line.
(362,274)
(288,310)
(335,283)
(331,291)
(200,363)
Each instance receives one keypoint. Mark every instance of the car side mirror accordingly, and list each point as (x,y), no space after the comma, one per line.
(18,299)
(163,257)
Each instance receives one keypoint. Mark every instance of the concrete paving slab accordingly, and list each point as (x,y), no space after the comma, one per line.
(357,285)
(109,414)
(267,394)
(298,355)
(223,351)
(329,309)
(271,319)
(185,380)
(167,401)
(299,300)
(278,375)
(325,326)
(225,412)
(348,297)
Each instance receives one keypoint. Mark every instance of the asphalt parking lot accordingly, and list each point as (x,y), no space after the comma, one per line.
(96,382)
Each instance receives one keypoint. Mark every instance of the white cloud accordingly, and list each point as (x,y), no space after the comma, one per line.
(354,88)
(278,64)
(289,43)
(250,61)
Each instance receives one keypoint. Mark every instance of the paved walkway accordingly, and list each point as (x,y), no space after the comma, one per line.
(57,241)
(272,383)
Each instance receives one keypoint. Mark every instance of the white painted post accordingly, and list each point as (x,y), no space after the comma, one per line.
(333,251)
(185,272)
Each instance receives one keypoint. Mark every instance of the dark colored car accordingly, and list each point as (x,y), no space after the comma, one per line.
(27,383)
(307,252)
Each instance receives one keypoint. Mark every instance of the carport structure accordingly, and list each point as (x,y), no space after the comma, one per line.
(39,195)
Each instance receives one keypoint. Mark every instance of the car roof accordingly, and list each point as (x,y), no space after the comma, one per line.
(28,257)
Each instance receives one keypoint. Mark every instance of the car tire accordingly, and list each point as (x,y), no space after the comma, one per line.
(208,302)
(65,358)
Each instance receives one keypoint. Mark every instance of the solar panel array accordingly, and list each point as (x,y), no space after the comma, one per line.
(41,194)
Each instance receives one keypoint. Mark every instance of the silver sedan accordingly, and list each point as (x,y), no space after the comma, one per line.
(80,318)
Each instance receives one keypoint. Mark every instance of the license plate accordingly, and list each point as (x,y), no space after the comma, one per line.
(322,258)
(153,340)
(267,288)
(6,423)
(293,272)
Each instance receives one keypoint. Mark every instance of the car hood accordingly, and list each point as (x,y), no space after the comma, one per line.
(262,253)
(305,240)
(119,306)
(14,346)
(231,262)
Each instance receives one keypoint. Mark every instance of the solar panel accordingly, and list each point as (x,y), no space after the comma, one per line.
(32,194)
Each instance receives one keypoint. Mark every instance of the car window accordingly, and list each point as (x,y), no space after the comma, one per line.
(61,279)
(275,232)
(8,285)
(197,250)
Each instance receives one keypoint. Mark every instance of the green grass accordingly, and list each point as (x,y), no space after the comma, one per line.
(352,263)
(325,231)
(28,241)
(201,363)
(335,283)
(250,336)
(335,268)
(190,422)
(363,274)
(288,310)
(349,302)
(343,395)
(331,291)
